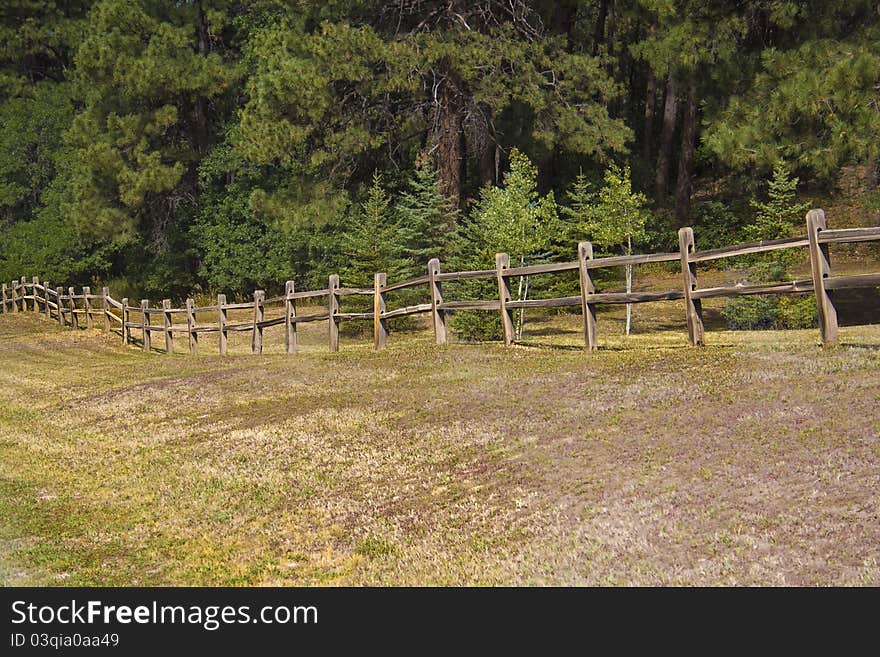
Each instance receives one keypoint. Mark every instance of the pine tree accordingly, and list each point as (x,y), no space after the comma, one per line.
(373,243)
(778,217)
(426,217)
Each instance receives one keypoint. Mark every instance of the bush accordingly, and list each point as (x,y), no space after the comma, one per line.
(760,312)
(476,326)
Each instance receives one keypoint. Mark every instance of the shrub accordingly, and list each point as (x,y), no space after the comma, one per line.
(760,312)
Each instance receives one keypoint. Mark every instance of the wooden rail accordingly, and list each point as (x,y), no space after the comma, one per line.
(71,308)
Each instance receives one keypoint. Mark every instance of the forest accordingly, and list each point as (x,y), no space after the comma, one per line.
(205,145)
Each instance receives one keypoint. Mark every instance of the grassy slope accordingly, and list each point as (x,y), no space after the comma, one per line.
(753,460)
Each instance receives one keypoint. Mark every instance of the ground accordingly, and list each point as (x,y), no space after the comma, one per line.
(752,460)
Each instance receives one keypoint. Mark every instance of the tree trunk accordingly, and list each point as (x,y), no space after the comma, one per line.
(629,286)
(599,33)
(565,19)
(485,147)
(203,46)
(686,156)
(449,136)
(670,110)
(648,135)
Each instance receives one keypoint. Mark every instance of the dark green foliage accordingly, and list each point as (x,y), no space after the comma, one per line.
(216,145)
(372,243)
(425,217)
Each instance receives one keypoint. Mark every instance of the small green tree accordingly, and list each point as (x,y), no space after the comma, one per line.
(777,217)
(613,218)
(513,219)
(373,243)
(425,216)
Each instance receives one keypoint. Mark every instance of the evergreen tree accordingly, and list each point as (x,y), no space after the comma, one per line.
(777,217)
(373,244)
(426,217)
(339,90)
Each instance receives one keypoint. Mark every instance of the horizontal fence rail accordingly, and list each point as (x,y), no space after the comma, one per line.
(82,309)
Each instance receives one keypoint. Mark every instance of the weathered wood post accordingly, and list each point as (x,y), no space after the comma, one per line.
(438,315)
(693,307)
(105,293)
(820,266)
(23,294)
(166,326)
(588,310)
(35,283)
(333,311)
(74,320)
(380,324)
(289,318)
(502,262)
(3,287)
(222,321)
(126,329)
(259,313)
(14,297)
(59,292)
(87,306)
(145,304)
(191,326)
(46,294)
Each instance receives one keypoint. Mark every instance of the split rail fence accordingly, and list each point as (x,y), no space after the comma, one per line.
(72,309)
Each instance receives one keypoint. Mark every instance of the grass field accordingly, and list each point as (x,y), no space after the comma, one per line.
(753,460)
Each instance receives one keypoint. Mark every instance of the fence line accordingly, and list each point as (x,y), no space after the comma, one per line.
(818,238)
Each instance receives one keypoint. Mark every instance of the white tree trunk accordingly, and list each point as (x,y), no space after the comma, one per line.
(522,311)
(629,286)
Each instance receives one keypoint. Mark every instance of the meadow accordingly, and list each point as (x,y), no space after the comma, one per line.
(752,460)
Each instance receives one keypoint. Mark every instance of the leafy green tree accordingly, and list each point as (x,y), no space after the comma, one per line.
(513,219)
(614,218)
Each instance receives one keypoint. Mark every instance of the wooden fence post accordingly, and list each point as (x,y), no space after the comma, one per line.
(191,326)
(46,294)
(35,283)
(59,292)
(14,297)
(259,313)
(502,262)
(166,325)
(436,290)
(588,310)
(289,318)
(126,329)
(693,307)
(4,297)
(74,320)
(820,265)
(222,321)
(333,311)
(145,304)
(380,324)
(87,306)
(105,292)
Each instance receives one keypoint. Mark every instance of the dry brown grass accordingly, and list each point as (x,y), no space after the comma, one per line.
(750,461)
